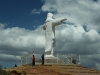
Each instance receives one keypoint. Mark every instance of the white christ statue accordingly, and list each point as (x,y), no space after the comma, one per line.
(49,27)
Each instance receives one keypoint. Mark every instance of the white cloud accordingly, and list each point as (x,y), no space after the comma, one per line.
(69,39)
(35,11)
(2,26)
(19,41)
(4,57)
(78,12)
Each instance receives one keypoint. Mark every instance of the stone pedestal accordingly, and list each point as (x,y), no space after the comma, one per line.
(50,56)
(52,59)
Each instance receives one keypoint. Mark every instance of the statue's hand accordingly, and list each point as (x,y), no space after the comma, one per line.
(64,19)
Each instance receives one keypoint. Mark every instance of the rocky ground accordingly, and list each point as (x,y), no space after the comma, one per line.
(55,70)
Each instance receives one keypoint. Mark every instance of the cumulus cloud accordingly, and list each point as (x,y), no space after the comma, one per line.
(35,11)
(70,39)
(19,41)
(77,40)
(7,58)
(78,12)
(2,26)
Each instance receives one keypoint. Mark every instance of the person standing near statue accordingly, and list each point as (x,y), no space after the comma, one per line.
(33,61)
(42,59)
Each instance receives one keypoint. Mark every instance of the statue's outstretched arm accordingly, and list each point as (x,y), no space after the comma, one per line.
(63,19)
(58,21)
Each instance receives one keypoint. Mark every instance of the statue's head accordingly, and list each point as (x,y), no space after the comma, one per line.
(49,16)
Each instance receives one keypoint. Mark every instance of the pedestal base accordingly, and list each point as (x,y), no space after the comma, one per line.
(50,57)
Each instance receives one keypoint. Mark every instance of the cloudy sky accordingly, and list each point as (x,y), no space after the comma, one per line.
(21,30)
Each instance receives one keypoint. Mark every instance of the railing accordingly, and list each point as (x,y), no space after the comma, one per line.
(57,59)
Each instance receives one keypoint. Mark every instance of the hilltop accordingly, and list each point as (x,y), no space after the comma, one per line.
(59,69)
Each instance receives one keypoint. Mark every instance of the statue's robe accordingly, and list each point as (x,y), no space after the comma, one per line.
(49,28)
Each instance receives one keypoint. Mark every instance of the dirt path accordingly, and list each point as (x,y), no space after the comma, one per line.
(43,70)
